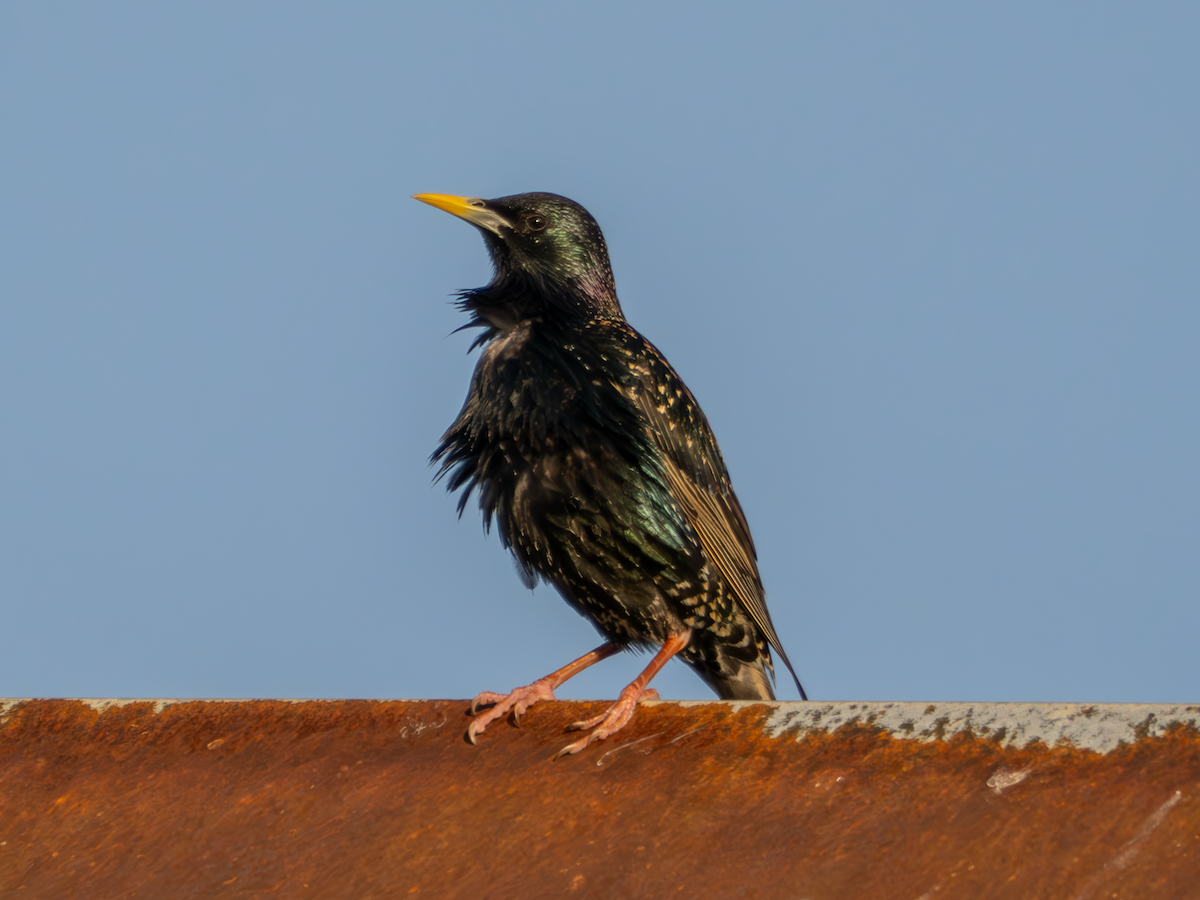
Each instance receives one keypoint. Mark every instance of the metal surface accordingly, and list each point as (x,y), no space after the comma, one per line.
(358,799)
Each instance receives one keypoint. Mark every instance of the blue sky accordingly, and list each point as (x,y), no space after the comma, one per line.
(931,271)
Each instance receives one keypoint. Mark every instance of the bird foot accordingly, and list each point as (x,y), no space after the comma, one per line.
(610,722)
(501,704)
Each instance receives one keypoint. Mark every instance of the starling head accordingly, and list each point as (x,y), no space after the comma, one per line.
(548,253)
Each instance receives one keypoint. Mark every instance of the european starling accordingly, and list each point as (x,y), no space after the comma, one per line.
(599,467)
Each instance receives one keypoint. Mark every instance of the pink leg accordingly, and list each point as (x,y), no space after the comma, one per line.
(524,697)
(621,712)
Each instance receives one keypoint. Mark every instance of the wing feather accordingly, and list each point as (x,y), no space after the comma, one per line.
(699,484)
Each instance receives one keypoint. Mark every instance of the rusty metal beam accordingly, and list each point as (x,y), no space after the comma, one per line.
(366,799)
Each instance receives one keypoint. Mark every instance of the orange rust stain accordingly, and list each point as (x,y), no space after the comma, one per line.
(360,799)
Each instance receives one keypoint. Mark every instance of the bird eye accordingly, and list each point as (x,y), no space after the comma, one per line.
(536,222)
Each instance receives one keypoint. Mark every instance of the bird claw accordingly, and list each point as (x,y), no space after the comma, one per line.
(608,722)
(574,748)
(517,702)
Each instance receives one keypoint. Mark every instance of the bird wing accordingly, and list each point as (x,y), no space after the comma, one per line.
(699,484)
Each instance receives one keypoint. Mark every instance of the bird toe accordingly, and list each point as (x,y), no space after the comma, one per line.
(485,698)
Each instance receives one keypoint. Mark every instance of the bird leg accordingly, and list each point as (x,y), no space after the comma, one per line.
(619,714)
(524,697)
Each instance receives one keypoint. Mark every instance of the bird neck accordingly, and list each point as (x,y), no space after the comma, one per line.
(567,304)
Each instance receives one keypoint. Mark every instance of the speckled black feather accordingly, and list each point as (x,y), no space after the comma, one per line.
(594,460)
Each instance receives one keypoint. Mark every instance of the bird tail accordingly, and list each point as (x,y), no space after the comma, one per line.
(749,681)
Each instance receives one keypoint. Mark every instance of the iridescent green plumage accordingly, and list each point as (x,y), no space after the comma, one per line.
(592,457)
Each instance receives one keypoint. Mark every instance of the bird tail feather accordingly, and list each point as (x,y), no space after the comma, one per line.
(749,682)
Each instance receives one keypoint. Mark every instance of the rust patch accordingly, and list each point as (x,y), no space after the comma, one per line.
(365,799)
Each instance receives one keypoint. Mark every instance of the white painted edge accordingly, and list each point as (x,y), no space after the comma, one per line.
(1100,727)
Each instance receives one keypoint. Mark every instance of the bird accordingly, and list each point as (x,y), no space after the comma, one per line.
(598,468)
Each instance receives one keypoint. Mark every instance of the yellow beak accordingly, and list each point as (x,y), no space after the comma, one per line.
(472,209)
